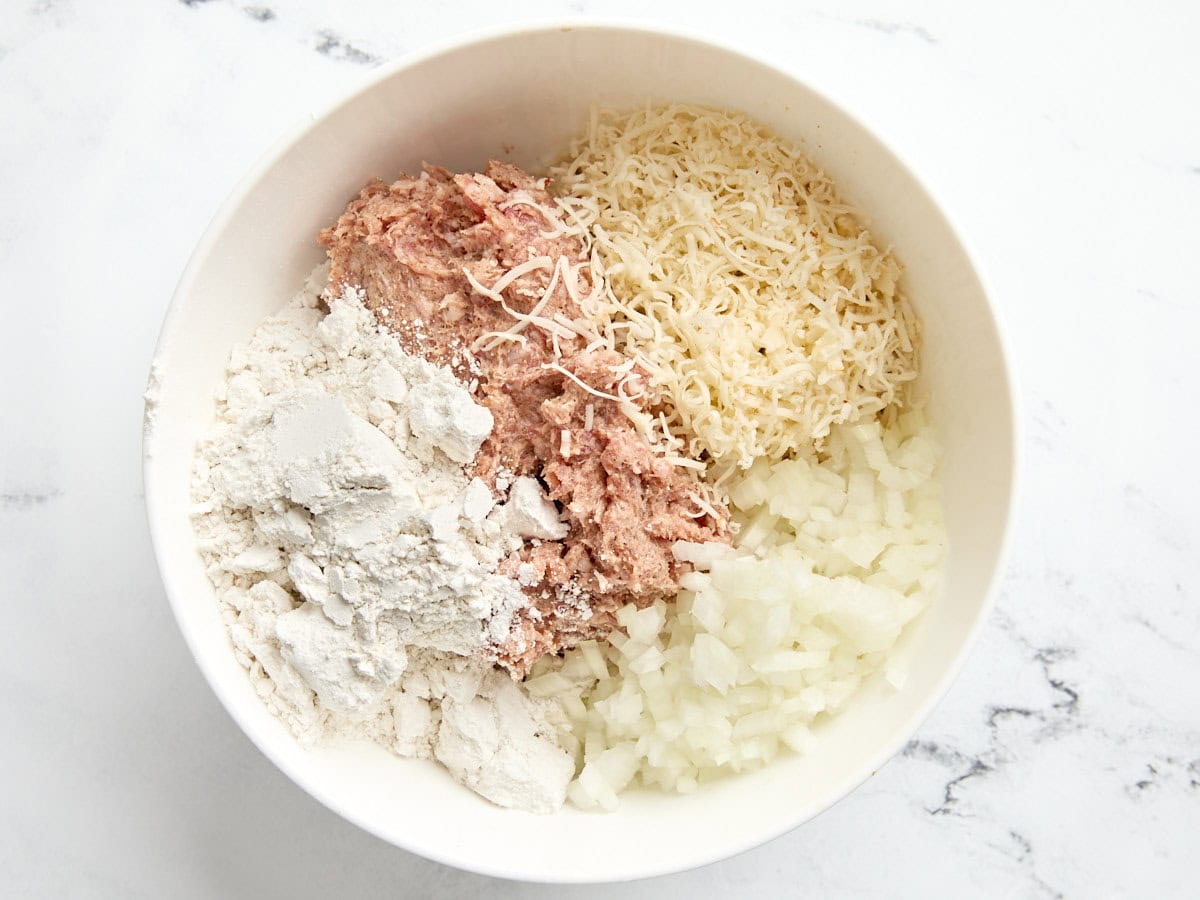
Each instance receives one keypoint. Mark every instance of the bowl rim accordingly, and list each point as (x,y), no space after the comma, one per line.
(530,26)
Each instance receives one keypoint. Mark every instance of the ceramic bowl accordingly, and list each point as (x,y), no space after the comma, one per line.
(521,94)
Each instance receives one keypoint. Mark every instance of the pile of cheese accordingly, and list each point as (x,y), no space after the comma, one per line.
(737,276)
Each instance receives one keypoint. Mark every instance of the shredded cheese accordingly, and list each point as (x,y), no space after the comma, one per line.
(523,319)
(654,428)
(747,289)
(555,367)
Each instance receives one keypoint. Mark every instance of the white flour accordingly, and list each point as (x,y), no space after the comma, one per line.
(354,560)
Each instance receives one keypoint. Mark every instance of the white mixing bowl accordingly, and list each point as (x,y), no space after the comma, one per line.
(521,95)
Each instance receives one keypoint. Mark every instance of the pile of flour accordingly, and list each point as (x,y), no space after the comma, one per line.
(354,560)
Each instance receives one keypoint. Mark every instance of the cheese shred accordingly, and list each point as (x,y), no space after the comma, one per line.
(755,297)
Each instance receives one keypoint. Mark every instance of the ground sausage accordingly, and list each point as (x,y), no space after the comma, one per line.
(409,245)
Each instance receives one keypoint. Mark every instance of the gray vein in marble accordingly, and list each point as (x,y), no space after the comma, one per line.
(881,26)
(947,758)
(1023,854)
(1024,845)
(886,27)
(43,16)
(1019,848)
(1049,424)
(338,48)
(950,798)
(1149,781)
(1163,773)
(1060,131)
(995,713)
(1069,704)
(969,775)
(1153,296)
(327,42)
(1061,715)
(1138,502)
(21,500)
(1062,712)
(1139,619)
(933,751)
(1011,843)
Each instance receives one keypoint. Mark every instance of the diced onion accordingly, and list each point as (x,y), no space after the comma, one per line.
(775,636)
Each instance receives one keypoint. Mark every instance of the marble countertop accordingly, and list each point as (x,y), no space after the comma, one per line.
(1063,138)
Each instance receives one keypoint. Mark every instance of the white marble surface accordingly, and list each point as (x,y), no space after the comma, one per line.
(1063,137)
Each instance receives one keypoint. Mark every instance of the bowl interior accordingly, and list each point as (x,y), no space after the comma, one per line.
(522,96)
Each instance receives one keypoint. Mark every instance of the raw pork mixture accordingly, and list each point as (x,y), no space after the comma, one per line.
(425,251)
